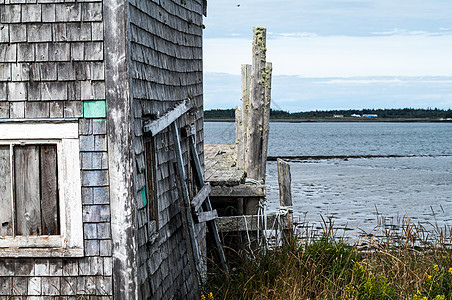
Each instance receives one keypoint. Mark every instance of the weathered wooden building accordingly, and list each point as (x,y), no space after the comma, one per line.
(89,204)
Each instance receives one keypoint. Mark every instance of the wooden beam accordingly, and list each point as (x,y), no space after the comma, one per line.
(243,223)
(200,197)
(206,216)
(241,190)
(168,118)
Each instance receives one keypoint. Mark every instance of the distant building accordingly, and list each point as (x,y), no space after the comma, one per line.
(356,116)
(338,116)
(370,116)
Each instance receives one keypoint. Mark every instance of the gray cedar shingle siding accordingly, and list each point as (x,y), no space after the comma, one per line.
(47,52)
(166,66)
(53,56)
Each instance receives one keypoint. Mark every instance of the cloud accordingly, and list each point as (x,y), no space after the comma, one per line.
(387,81)
(295,93)
(294,34)
(338,56)
(404,32)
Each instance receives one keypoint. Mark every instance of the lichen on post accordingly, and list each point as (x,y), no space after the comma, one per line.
(267,76)
(254,142)
(241,146)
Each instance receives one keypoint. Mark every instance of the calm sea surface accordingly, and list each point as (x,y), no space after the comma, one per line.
(359,194)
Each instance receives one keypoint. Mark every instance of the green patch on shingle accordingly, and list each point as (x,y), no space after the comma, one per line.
(94,109)
(143,196)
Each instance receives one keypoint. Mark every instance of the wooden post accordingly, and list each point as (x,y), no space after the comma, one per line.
(254,141)
(240,146)
(267,77)
(285,193)
(246,83)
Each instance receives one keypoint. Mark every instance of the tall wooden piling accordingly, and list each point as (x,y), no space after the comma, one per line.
(254,141)
(252,137)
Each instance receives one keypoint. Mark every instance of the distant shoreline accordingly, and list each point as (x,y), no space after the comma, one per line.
(339,120)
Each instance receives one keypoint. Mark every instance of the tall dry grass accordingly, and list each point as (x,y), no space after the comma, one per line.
(411,263)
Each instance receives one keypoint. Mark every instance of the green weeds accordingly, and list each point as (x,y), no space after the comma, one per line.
(325,267)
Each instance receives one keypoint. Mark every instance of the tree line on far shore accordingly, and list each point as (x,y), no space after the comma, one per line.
(402,113)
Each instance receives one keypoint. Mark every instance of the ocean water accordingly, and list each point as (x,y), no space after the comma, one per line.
(360,194)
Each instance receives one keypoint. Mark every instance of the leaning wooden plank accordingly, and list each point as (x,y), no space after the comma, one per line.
(206,216)
(200,197)
(207,206)
(27,190)
(6,221)
(49,190)
(243,223)
(187,219)
(164,121)
(241,190)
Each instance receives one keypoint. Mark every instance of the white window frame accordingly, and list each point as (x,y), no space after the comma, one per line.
(70,241)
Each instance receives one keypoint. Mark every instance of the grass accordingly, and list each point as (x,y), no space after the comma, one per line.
(410,264)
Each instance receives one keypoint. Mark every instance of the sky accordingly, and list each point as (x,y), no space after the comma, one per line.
(333,54)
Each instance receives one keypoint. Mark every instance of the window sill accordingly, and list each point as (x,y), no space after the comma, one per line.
(40,252)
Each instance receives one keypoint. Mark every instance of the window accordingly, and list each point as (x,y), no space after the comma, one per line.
(29,190)
(40,189)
